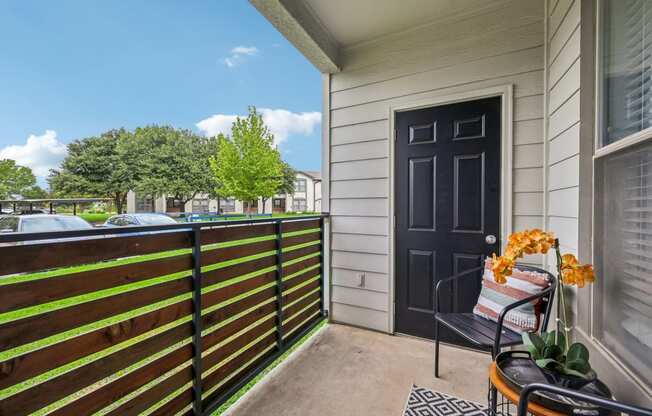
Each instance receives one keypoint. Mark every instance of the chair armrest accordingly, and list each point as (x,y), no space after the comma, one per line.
(503,313)
(450,279)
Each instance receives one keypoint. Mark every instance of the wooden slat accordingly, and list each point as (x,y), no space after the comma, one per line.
(52,390)
(293,309)
(34,292)
(229,272)
(31,364)
(233,365)
(300,265)
(236,232)
(289,327)
(219,255)
(231,291)
(295,254)
(237,378)
(292,226)
(297,280)
(236,344)
(114,391)
(237,325)
(150,397)
(15,333)
(301,292)
(32,257)
(300,239)
(175,405)
(298,331)
(237,307)
(36,327)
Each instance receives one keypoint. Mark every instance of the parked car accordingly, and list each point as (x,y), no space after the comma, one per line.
(124,220)
(37,223)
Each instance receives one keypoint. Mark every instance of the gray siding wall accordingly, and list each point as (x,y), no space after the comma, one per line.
(563,141)
(569,144)
(499,45)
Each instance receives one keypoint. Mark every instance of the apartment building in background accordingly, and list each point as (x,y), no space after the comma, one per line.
(306,198)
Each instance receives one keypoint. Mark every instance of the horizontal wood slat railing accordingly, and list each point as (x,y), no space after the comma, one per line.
(163,320)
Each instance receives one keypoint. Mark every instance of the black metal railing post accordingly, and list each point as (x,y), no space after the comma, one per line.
(279,284)
(322,269)
(197,323)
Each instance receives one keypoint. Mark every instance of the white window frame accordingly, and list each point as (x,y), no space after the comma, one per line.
(303,181)
(599,152)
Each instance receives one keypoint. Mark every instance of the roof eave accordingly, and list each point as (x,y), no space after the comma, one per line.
(298,24)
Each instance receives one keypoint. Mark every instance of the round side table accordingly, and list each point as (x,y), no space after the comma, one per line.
(507,398)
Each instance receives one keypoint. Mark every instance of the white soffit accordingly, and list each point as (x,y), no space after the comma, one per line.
(320,29)
(351,22)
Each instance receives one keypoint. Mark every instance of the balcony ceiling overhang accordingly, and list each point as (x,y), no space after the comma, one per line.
(322,29)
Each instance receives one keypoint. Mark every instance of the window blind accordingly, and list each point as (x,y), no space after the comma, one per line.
(627,68)
(638,38)
(623,216)
(624,256)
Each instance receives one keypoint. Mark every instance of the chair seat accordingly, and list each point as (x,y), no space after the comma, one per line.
(478,330)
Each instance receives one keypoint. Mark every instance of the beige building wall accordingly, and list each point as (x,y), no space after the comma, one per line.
(499,46)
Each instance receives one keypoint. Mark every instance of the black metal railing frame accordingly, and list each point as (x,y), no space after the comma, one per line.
(195,228)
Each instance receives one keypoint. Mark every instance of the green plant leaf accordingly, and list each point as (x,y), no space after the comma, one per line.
(534,352)
(549,363)
(571,372)
(533,339)
(553,351)
(577,351)
(579,365)
(561,340)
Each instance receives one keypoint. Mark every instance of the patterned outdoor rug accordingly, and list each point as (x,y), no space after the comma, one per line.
(424,402)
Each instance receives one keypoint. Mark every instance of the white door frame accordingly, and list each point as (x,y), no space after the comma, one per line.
(506,93)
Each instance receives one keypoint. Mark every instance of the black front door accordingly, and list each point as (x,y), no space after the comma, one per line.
(447,201)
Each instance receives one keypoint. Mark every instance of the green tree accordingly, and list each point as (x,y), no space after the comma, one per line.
(247,164)
(173,163)
(15,179)
(97,167)
(35,192)
(288,180)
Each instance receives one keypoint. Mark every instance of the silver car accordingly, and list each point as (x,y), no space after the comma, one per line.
(39,223)
(124,220)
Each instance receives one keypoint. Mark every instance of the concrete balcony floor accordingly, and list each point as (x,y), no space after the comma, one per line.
(350,371)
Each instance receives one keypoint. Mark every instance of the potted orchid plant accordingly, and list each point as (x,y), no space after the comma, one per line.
(563,362)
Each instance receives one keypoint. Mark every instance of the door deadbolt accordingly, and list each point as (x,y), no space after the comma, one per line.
(490,239)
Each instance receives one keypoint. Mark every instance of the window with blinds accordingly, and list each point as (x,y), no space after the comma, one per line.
(624,256)
(627,68)
(623,187)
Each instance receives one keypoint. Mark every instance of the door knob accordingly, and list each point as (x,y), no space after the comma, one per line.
(490,239)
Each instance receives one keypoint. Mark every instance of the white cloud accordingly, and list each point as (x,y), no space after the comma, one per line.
(238,55)
(282,123)
(40,153)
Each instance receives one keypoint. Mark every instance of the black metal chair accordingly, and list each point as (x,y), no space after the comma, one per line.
(483,333)
(577,395)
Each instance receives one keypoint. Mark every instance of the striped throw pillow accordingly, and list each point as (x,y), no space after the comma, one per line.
(521,284)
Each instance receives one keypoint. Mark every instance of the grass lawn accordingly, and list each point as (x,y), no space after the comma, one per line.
(95,218)
(64,303)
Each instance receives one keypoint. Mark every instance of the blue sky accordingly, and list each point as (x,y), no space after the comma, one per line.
(75,68)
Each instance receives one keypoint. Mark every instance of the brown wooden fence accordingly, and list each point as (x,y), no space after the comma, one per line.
(131,321)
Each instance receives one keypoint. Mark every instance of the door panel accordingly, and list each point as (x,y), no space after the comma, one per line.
(447,199)
(422,193)
(468,193)
(422,271)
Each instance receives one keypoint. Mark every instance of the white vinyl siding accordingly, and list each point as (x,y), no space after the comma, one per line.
(435,60)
